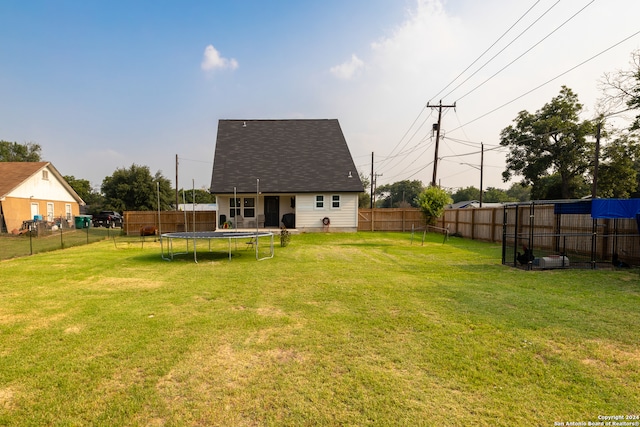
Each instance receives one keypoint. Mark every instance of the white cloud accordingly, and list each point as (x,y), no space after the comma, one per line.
(347,69)
(212,60)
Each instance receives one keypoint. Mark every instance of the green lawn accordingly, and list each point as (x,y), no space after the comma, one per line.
(336,329)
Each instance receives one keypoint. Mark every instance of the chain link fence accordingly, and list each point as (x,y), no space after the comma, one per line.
(36,236)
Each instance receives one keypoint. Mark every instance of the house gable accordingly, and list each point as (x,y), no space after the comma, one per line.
(34,187)
(39,180)
(286,156)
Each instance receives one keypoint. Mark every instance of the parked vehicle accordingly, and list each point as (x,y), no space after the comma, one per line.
(109,219)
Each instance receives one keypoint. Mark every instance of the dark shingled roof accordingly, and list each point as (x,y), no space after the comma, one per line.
(288,156)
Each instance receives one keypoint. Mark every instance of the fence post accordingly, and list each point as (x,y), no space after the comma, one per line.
(372,221)
(473,223)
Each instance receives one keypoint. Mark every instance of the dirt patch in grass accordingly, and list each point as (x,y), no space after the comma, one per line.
(270,312)
(222,383)
(610,352)
(38,322)
(72,330)
(8,398)
(122,283)
(7,319)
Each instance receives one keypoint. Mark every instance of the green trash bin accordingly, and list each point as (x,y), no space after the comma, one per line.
(83,221)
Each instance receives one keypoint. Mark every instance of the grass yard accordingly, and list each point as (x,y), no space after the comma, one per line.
(336,329)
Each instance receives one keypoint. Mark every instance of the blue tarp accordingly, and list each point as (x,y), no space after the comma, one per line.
(615,208)
(572,208)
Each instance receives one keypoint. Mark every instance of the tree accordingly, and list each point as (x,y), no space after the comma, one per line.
(550,188)
(466,194)
(519,193)
(89,195)
(135,189)
(364,199)
(618,172)
(202,196)
(432,202)
(621,90)
(496,195)
(400,193)
(551,141)
(14,152)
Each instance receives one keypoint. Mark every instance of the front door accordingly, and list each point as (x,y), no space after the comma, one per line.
(271,211)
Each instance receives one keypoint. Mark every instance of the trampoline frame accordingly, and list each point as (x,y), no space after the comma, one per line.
(209,235)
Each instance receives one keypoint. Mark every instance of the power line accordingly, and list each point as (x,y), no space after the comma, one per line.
(549,81)
(526,51)
(483,53)
(198,161)
(406,154)
(504,48)
(391,156)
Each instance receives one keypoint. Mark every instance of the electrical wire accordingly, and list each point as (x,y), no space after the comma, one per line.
(391,155)
(526,51)
(548,81)
(504,48)
(198,161)
(487,50)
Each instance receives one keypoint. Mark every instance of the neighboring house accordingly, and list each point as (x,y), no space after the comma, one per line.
(472,204)
(296,173)
(189,207)
(28,189)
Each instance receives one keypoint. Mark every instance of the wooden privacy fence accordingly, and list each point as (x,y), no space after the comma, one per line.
(477,223)
(400,219)
(549,232)
(170,221)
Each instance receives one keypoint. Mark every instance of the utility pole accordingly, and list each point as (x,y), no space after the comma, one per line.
(371,180)
(177,198)
(375,185)
(594,189)
(435,157)
(481,169)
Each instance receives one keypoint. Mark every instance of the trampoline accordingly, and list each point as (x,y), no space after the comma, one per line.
(254,237)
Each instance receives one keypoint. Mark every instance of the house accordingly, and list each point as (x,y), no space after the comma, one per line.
(190,207)
(472,204)
(296,173)
(28,189)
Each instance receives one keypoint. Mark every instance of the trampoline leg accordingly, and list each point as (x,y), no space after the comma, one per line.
(195,256)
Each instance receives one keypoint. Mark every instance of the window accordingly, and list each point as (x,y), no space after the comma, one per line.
(67,210)
(319,202)
(234,203)
(335,201)
(45,175)
(249,207)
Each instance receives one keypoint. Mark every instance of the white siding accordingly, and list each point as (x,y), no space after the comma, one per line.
(43,189)
(308,216)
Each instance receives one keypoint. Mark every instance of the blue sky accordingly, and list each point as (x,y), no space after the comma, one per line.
(104,85)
